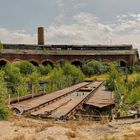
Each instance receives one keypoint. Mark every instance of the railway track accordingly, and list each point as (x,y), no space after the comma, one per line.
(33,104)
(66,107)
(62,104)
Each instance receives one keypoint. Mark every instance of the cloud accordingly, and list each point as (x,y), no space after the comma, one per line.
(20,36)
(80,5)
(84,28)
(60,3)
(128,24)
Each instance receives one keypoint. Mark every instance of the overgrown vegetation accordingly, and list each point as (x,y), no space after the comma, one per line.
(94,67)
(25,67)
(44,70)
(22,77)
(65,76)
(114,77)
(4,111)
(126,91)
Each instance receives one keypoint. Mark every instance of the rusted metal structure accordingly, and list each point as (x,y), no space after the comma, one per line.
(37,103)
(75,54)
(61,104)
(100,104)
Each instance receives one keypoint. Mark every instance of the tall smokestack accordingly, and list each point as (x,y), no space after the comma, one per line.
(40,36)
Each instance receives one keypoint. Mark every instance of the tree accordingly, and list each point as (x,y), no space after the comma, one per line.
(25,67)
(134,97)
(1,46)
(44,70)
(3,88)
(87,70)
(4,110)
(61,77)
(56,79)
(93,67)
(12,76)
(34,79)
(21,89)
(113,76)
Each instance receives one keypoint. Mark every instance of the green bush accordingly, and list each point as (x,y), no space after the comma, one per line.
(22,89)
(136,69)
(34,79)
(1,47)
(3,88)
(56,79)
(94,67)
(25,67)
(113,76)
(61,77)
(12,76)
(4,112)
(44,70)
(134,96)
(75,74)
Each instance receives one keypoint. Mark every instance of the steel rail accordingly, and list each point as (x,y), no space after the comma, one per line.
(26,97)
(55,99)
(74,109)
(43,104)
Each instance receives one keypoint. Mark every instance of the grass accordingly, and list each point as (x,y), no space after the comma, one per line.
(109,138)
(132,76)
(50,138)
(19,137)
(38,125)
(70,134)
(74,125)
(104,120)
(98,77)
(134,135)
(104,77)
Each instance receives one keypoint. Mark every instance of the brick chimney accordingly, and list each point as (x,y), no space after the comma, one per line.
(40,36)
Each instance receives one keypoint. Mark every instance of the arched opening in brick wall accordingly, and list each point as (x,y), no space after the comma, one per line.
(77,63)
(47,62)
(33,62)
(122,63)
(3,63)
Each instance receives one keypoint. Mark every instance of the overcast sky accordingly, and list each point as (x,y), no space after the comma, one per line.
(71,21)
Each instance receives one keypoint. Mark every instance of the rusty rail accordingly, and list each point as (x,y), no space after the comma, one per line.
(41,105)
(55,99)
(27,97)
(73,110)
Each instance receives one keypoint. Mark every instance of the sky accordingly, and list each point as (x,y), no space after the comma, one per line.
(71,21)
